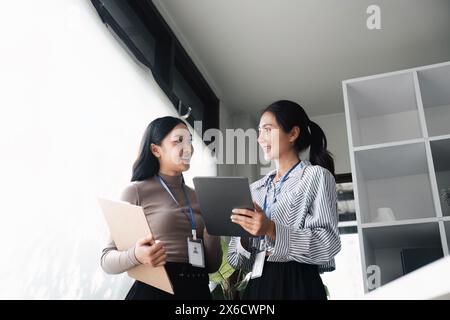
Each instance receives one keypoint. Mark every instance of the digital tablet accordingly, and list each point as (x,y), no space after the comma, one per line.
(217,196)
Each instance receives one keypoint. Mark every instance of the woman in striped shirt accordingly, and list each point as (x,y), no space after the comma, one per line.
(294,222)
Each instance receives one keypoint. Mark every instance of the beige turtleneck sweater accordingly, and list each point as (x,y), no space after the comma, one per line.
(168,222)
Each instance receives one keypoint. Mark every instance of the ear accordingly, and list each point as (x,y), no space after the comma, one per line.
(155,149)
(294,134)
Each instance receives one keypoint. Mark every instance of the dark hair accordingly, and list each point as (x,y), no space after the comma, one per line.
(147,165)
(290,114)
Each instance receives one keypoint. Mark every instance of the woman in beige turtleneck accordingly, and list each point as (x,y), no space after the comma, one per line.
(157,179)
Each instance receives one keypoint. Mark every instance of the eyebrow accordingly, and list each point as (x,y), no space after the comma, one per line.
(265,125)
(181,135)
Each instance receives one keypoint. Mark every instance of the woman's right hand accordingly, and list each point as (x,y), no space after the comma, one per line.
(150,251)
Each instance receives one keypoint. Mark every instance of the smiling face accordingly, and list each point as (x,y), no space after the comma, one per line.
(175,152)
(274,141)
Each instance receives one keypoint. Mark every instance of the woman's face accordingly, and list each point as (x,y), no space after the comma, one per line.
(272,138)
(175,151)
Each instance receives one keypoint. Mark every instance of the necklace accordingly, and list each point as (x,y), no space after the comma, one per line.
(277,178)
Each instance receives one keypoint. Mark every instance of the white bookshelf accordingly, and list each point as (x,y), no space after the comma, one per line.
(440,150)
(393,177)
(383,110)
(435,88)
(384,245)
(398,128)
(447,230)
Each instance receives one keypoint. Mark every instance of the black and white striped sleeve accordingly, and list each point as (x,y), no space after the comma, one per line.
(238,257)
(317,242)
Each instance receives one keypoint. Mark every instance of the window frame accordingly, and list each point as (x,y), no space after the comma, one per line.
(169,53)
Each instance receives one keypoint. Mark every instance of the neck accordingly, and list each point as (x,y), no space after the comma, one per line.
(286,162)
(169,172)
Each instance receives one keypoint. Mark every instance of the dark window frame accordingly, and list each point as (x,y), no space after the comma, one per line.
(168,53)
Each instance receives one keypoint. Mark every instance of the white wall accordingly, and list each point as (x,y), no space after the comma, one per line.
(245,122)
(226,122)
(73,107)
(237,120)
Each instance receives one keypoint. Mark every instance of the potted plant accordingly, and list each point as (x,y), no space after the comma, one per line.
(227,283)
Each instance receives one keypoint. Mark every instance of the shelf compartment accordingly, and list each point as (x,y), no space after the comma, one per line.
(383,109)
(440,150)
(384,246)
(434,86)
(447,231)
(396,177)
(399,223)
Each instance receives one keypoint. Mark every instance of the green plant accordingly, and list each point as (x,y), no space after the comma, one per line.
(227,281)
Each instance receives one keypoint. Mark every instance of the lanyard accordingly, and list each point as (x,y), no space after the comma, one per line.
(259,241)
(266,207)
(191,214)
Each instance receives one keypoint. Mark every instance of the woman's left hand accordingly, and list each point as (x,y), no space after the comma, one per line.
(254,221)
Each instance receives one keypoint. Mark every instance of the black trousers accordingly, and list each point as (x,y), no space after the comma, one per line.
(286,281)
(189,283)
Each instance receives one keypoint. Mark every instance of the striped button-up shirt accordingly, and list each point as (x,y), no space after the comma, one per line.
(305,216)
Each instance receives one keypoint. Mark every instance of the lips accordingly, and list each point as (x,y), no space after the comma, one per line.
(186,160)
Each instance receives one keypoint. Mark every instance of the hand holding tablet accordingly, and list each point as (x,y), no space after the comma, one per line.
(254,221)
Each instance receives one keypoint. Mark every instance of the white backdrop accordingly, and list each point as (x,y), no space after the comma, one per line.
(73,108)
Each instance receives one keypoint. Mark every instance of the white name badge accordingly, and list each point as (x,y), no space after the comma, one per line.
(195,251)
(258,265)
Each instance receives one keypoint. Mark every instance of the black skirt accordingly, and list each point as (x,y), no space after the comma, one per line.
(189,283)
(286,281)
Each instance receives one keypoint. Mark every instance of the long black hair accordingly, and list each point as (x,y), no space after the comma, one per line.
(147,165)
(290,114)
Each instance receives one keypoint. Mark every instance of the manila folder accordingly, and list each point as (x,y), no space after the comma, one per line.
(127,224)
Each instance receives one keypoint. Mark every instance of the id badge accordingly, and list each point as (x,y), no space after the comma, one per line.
(195,251)
(258,265)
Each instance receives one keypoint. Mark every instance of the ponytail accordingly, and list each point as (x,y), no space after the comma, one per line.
(318,153)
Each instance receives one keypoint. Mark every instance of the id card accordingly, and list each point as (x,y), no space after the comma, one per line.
(258,265)
(195,251)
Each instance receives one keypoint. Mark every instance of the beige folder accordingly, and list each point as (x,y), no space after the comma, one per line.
(127,224)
